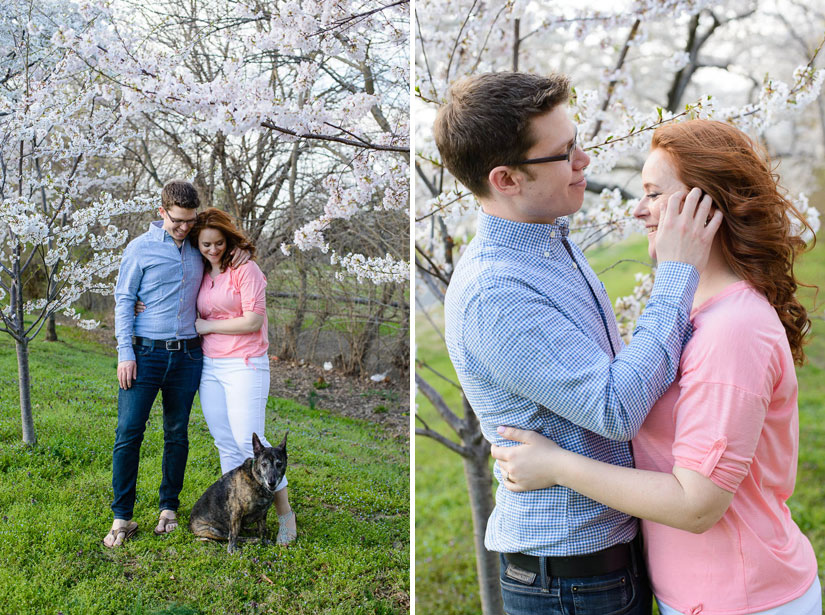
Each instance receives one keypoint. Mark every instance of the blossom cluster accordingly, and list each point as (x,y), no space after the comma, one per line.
(622,63)
(80,77)
(629,308)
(811,216)
(379,270)
(377,185)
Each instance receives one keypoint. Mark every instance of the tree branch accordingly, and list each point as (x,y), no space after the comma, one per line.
(455,423)
(434,268)
(360,143)
(610,86)
(456,448)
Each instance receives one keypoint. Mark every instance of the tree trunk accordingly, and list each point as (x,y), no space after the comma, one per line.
(25,392)
(363,343)
(401,352)
(516,43)
(480,488)
(51,329)
(289,347)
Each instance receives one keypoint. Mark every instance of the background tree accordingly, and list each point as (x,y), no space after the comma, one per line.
(633,68)
(294,117)
(56,240)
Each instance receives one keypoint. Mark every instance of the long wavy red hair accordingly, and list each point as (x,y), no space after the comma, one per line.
(756,235)
(221,221)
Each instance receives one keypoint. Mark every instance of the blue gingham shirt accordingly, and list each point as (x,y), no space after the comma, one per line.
(167,279)
(531,350)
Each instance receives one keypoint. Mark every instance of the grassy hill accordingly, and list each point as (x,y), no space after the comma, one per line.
(348,482)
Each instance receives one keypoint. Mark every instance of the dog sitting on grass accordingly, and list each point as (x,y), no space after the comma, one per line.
(241,497)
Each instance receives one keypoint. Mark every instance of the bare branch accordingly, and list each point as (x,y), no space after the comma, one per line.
(625,260)
(597,187)
(456,448)
(423,310)
(439,404)
(433,271)
(619,63)
(360,143)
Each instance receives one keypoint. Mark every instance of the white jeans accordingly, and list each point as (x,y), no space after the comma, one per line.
(809,603)
(233,397)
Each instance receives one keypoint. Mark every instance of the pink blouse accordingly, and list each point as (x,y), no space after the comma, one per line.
(229,295)
(731,416)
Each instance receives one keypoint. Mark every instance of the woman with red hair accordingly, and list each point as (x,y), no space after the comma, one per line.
(235,381)
(716,457)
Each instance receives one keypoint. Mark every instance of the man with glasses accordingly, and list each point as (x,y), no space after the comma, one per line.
(532,336)
(158,350)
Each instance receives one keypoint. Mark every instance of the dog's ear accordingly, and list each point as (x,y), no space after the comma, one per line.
(256,444)
(283,442)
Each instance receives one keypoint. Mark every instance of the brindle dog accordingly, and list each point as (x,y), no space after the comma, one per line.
(241,497)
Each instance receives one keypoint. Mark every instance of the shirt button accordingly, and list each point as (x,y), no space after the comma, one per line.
(574,265)
(547,254)
(552,233)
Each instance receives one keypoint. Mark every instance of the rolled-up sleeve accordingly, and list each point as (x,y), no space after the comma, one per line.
(717,430)
(252,286)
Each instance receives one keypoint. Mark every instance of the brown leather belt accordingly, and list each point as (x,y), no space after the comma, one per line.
(589,565)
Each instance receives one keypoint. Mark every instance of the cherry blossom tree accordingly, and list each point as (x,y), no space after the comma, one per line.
(311,204)
(293,116)
(633,68)
(57,237)
(304,106)
(333,73)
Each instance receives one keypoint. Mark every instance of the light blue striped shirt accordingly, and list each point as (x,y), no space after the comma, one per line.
(167,279)
(529,343)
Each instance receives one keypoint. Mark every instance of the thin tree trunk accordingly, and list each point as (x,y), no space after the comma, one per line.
(25,392)
(362,344)
(516,43)
(479,486)
(401,352)
(22,345)
(289,348)
(51,329)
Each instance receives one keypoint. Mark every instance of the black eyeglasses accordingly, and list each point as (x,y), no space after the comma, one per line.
(565,156)
(176,222)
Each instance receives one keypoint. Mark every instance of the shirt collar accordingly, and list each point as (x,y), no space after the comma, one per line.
(521,235)
(159,234)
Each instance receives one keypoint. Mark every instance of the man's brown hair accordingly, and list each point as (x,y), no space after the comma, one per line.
(180,193)
(486,122)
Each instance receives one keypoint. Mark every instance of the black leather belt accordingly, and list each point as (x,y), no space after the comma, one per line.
(590,565)
(173,345)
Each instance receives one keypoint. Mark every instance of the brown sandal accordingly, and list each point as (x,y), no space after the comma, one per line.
(164,522)
(127,531)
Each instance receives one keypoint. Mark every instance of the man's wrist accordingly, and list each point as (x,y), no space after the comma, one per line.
(125,354)
(675,281)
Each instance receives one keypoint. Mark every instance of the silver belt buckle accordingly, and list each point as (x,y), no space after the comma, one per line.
(173,344)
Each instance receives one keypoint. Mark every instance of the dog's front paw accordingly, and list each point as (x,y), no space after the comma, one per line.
(231,548)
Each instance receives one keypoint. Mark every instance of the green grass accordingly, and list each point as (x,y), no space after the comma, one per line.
(445,577)
(348,482)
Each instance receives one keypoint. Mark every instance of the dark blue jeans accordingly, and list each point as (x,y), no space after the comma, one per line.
(177,375)
(624,592)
